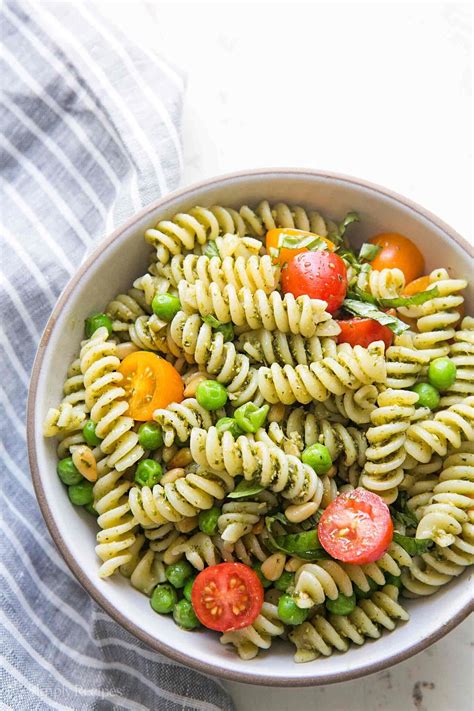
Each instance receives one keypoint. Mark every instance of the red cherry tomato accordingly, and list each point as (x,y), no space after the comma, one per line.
(356,527)
(364,331)
(320,275)
(227,596)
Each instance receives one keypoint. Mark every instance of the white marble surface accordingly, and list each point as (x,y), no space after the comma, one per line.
(380,91)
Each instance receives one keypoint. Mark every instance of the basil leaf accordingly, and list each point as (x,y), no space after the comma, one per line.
(211,321)
(312,242)
(413,546)
(245,488)
(369,251)
(338,234)
(414,300)
(366,310)
(211,249)
(359,295)
(407,518)
(303,545)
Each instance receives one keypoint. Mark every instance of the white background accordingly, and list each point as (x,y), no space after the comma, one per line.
(380,91)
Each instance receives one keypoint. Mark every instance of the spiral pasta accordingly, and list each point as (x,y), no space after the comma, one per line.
(436,318)
(258,635)
(267,465)
(386,454)
(117,524)
(304,429)
(314,582)
(461,353)
(199,550)
(254,310)
(253,273)
(186,230)
(265,217)
(178,419)
(439,566)
(447,427)
(207,347)
(452,502)
(106,401)
(348,370)
(192,492)
(267,347)
(383,284)
(322,635)
(145,568)
(239,517)
(404,362)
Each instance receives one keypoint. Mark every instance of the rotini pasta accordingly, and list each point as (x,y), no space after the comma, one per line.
(461,353)
(267,347)
(323,635)
(383,284)
(258,635)
(348,370)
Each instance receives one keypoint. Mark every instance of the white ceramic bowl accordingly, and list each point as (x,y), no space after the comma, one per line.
(112,268)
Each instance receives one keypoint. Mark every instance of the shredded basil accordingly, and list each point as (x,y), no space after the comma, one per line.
(312,242)
(245,488)
(337,235)
(413,546)
(368,310)
(211,249)
(211,321)
(303,545)
(369,251)
(414,300)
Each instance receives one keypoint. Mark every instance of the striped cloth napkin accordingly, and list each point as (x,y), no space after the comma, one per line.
(90,135)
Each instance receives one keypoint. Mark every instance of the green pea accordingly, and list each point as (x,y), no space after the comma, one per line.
(318,457)
(428,396)
(342,605)
(442,373)
(178,573)
(184,615)
(150,436)
(211,395)
(67,472)
(90,509)
(164,598)
(393,580)
(364,594)
(250,418)
(228,424)
(188,587)
(89,434)
(81,494)
(227,331)
(284,581)
(148,472)
(208,520)
(289,612)
(258,569)
(166,306)
(95,321)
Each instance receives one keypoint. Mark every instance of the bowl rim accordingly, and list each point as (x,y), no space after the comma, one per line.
(90,587)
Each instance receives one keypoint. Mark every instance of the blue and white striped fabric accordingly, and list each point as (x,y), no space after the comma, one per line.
(90,135)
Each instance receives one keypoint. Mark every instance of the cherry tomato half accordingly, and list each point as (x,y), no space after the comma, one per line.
(227,596)
(356,527)
(320,275)
(364,331)
(398,251)
(285,253)
(150,382)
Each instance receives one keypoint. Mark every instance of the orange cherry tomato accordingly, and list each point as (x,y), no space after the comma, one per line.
(398,251)
(356,527)
(150,382)
(227,596)
(285,253)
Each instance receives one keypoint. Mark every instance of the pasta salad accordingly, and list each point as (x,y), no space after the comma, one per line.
(275,431)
